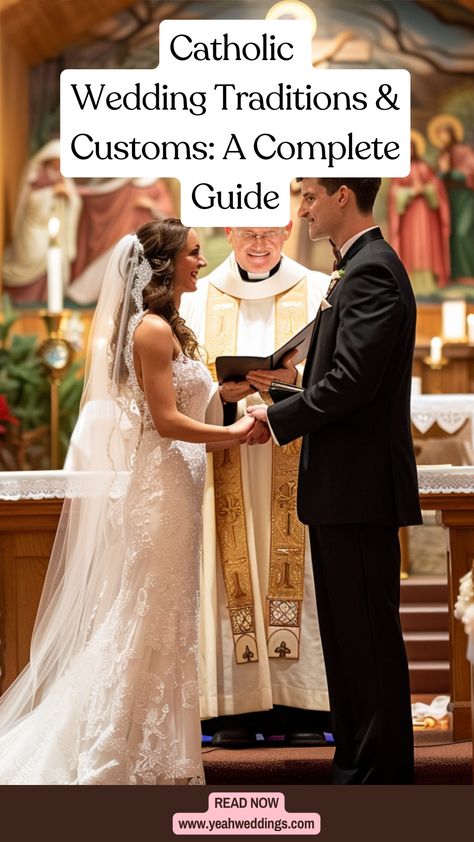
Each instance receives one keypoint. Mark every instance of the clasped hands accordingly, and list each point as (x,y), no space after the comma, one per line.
(251,428)
(258,381)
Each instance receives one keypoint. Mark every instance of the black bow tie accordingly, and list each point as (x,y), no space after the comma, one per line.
(335,267)
(337,256)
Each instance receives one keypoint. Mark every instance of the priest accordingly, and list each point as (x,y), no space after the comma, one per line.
(261,660)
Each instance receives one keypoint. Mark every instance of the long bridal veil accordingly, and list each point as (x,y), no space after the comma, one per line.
(84,571)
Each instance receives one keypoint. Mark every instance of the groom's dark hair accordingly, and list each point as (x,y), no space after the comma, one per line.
(364,189)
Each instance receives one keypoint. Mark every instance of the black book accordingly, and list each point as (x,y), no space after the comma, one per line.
(237,368)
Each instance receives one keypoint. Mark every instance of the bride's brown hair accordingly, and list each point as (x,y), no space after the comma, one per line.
(162,241)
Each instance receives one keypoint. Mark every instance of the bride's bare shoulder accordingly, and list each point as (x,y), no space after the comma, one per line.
(153,333)
(153,326)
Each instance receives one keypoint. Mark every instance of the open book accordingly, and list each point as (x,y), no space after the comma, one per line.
(237,368)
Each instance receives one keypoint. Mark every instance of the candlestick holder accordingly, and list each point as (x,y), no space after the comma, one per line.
(435,365)
(56,354)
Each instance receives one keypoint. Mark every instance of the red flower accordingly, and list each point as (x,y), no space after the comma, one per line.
(5,414)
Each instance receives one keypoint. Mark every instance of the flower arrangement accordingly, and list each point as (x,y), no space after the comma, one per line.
(5,416)
(7,421)
(464,608)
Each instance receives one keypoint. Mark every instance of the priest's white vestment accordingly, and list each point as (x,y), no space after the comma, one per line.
(228,687)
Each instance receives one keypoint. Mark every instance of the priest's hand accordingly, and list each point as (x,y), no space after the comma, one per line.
(233,391)
(287,374)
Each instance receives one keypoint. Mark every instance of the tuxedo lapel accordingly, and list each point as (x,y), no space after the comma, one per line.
(368,237)
(312,344)
(365,239)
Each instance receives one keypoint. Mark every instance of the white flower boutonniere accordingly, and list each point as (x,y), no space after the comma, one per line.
(335,277)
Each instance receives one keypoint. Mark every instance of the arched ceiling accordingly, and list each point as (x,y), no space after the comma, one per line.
(40,30)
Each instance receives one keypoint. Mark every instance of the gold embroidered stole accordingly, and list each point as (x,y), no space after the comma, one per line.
(286,574)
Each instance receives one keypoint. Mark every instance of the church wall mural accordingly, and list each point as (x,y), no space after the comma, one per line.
(427,216)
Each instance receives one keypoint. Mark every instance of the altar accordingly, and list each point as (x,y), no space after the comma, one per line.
(30,507)
(449,491)
(443,428)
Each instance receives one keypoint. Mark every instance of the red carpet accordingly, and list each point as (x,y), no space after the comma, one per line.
(439,764)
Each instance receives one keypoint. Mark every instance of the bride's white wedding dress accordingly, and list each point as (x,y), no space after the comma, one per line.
(126,709)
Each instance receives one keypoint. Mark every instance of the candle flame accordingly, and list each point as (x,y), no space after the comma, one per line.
(53,227)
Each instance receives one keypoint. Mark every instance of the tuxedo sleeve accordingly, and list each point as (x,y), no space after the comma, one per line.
(370,315)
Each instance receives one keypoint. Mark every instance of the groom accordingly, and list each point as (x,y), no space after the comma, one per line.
(357,477)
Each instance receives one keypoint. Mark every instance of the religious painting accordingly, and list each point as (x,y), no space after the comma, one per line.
(428,216)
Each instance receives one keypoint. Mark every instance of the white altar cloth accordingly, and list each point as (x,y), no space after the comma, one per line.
(46,485)
(450,412)
(439,479)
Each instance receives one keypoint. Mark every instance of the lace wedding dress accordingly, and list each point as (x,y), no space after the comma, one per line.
(125,711)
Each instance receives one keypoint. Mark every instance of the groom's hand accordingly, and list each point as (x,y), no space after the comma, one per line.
(259,412)
(259,434)
(262,378)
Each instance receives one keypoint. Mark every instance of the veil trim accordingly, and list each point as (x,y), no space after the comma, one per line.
(84,572)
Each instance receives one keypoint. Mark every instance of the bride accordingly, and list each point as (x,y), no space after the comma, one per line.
(110,695)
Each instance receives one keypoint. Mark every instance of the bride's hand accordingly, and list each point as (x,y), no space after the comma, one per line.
(240,429)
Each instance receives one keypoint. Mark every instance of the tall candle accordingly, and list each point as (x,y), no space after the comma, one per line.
(54,268)
(415,386)
(454,321)
(470,328)
(435,349)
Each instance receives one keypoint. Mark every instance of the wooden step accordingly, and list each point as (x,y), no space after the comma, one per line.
(427,645)
(429,617)
(422,589)
(429,677)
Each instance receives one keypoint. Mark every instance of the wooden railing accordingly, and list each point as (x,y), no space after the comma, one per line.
(27,529)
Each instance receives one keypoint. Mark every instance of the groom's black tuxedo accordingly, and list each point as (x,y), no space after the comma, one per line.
(357,484)
(357,463)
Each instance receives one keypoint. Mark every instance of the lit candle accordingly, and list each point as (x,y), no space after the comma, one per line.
(435,349)
(454,321)
(470,328)
(53,268)
(415,386)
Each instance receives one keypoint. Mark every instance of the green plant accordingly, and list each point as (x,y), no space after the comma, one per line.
(25,383)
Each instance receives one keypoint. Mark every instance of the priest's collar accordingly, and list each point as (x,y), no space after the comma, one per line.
(253,276)
(227,278)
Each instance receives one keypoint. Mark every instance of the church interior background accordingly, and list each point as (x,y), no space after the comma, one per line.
(427,216)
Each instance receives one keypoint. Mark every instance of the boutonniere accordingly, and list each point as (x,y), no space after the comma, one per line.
(335,277)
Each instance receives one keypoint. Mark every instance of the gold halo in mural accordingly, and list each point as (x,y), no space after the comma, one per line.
(419,142)
(292,10)
(444,120)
